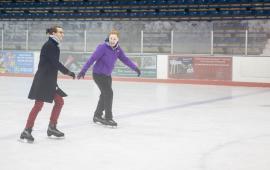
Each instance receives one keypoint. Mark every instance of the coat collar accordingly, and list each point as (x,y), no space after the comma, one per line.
(54,41)
(113,48)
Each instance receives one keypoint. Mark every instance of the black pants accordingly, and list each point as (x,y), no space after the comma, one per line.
(104,84)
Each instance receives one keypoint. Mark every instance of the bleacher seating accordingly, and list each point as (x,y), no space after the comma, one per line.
(142,9)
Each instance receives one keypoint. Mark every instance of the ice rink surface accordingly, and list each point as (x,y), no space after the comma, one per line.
(161,127)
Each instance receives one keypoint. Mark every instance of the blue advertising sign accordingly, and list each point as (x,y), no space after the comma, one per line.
(16,62)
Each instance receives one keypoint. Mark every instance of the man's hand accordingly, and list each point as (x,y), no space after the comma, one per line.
(72,74)
(138,71)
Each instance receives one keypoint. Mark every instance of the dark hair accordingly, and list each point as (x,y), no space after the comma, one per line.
(48,31)
(52,30)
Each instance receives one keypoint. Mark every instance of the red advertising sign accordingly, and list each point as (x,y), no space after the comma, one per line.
(206,68)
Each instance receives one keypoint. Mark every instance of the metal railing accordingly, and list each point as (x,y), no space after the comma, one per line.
(229,42)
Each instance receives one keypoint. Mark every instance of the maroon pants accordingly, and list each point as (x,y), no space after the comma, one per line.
(58,104)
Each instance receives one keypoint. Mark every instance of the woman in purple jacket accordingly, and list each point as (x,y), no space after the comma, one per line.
(104,59)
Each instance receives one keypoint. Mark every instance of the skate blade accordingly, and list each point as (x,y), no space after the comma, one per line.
(56,138)
(105,125)
(25,141)
(110,126)
(98,123)
(113,127)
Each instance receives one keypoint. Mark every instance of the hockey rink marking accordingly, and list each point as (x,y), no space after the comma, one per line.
(151,111)
(197,103)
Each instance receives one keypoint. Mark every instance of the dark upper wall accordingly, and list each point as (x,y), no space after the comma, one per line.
(147,10)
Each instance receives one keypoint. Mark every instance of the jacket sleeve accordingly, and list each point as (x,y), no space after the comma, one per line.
(95,56)
(122,56)
(50,54)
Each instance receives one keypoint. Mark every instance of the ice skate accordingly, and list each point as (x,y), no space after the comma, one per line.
(105,122)
(98,119)
(26,136)
(53,131)
(110,122)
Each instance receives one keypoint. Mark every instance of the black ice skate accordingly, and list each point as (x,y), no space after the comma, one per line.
(98,119)
(107,122)
(110,122)
(26,136)
(53,131)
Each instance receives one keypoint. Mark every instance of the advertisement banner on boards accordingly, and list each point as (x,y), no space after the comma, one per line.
(146,63)
(200,67)
(20,62)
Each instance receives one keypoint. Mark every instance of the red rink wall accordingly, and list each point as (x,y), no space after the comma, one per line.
(200,68)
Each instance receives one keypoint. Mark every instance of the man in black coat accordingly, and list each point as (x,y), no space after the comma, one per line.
(44,87)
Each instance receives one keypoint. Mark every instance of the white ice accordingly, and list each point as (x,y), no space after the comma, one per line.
(161,127)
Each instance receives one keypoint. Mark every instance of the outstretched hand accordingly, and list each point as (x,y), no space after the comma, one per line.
(72,74)
(81,75)
(138,71)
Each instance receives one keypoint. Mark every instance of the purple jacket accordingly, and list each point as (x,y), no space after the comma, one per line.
(105,57)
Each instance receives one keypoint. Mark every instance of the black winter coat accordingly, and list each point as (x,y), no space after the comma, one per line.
(44,85)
